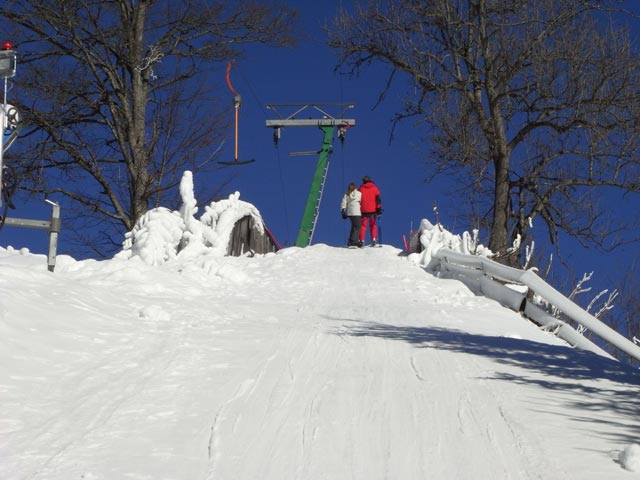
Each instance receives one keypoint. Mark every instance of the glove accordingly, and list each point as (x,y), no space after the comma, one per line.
(344,213)
(379,211)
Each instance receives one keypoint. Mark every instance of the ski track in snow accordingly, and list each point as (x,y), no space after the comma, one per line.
(280,375)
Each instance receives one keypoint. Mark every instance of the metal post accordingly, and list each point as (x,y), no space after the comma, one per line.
(2,122)
(327,123)
(54,229)
(7,70)
(52,226)
(308,224)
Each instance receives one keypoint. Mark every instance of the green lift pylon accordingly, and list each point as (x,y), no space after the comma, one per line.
(328,125)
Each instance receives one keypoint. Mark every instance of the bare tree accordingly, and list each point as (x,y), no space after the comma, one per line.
(627,318)
(533,103)
(116,97)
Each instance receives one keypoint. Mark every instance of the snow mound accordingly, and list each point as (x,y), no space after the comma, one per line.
(162,235)
(630,458)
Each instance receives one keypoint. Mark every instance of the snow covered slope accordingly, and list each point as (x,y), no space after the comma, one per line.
(316,363)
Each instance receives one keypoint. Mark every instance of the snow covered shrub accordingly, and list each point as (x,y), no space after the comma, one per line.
(434,237)
(192,235)
(155,237)
(161,234)
(222,216)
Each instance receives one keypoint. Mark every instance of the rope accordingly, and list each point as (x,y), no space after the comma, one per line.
(233,90)
(253,92)
(285,208)
(263,109)
(346,226)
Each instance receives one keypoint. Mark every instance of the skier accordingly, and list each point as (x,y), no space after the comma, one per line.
(350,208)
(370,208)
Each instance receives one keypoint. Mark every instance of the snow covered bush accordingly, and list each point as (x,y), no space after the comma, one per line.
(220,218)
(154,238)
(434,237)
(162,235)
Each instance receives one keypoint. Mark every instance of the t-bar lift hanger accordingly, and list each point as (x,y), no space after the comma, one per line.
(237,100)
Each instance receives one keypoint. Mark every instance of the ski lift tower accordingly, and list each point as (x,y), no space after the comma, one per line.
(328,124)
(10,126)
(7,71)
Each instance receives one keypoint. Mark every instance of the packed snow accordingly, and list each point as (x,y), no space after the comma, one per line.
(173,361)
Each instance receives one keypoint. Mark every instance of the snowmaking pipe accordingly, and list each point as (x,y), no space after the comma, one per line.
(543,289)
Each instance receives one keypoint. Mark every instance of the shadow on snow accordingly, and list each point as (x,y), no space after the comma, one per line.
(564,368)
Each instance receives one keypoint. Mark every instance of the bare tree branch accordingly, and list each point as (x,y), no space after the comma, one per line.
(115,96)
(532,103)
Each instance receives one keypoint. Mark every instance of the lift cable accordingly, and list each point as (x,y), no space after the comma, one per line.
(263,109)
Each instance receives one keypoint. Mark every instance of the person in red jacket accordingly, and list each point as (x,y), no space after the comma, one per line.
(370,207)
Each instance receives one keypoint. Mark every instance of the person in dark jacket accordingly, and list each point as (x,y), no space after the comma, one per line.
(370,207)
(350,208)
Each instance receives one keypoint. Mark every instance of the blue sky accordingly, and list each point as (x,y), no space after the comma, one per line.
(278,183)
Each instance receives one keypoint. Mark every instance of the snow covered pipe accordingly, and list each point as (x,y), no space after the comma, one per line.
(546,291)
(562,330)
(478,281)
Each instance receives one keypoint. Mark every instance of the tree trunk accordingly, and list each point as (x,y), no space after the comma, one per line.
(500,226)
(139,98)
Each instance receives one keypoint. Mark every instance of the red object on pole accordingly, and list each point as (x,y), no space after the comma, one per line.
(233,90)
(237,100)
(7,46)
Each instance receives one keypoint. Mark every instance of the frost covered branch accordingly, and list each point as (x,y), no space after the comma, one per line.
(608,304)
(578,289)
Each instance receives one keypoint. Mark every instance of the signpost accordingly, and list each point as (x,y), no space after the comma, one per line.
(10,126)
